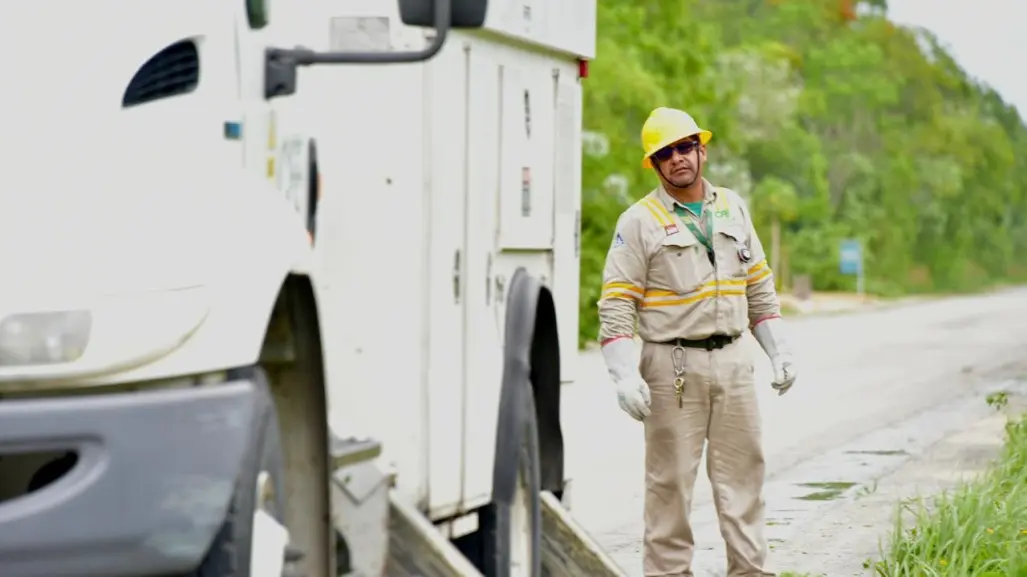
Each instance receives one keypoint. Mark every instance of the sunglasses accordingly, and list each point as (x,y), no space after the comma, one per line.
(682,148)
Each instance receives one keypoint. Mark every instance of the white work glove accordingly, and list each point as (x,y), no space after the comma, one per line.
(770,335)
(632,391)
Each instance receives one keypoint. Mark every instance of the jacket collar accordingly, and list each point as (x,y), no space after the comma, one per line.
(709,196)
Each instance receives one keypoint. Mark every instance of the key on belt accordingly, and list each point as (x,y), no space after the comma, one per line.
(713,342)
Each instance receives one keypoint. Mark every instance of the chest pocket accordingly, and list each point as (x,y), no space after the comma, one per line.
(731,246)
(679,266)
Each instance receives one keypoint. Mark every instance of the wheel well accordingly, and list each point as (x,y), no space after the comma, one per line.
(531,363)
(545,384)
(293,360)
(532,353)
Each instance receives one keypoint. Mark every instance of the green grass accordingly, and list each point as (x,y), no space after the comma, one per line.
(977,530)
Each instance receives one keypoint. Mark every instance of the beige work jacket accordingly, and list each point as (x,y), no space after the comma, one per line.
(658,273)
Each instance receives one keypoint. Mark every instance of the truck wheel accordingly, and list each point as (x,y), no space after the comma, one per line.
(258,491)
(512,524)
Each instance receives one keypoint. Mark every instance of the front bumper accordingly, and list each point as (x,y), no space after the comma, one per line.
(155,473)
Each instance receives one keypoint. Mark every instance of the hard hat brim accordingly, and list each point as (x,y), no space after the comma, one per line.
(704,137)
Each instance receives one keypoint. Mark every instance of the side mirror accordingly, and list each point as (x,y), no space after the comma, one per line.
(280,64)
(462,14)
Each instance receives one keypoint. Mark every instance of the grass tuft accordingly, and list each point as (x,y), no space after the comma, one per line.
(978,529)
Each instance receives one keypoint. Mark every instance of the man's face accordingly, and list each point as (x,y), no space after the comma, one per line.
(680,163)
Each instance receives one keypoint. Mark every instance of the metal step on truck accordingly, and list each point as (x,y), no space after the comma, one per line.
(290,287)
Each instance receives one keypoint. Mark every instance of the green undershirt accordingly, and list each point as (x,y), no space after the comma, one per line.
(694,207)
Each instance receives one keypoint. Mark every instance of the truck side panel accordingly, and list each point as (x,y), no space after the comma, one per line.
(482,347)
(445,163)
(564,25)
(526,152)
(371,243)
(567,219)
(438,180)
(515,98)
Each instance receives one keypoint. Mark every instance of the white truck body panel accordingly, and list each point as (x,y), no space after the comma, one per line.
(434,192)
(567,26)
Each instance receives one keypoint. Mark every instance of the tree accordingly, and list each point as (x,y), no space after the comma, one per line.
(836,122)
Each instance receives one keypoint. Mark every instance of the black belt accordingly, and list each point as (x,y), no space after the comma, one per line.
(710,343)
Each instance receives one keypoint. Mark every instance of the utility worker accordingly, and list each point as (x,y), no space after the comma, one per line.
(685,262)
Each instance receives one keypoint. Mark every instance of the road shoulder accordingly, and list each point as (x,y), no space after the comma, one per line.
(846,539)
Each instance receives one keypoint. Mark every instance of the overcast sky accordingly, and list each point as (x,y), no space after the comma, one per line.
(987,37)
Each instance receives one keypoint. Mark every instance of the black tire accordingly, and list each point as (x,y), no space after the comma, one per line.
(517,463)
(229,553)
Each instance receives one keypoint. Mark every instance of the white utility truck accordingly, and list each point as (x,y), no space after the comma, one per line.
(265,316)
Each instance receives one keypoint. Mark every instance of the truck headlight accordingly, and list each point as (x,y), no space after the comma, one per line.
(97,335)
(44,338)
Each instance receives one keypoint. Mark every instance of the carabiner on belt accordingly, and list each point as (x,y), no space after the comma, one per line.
(677,356)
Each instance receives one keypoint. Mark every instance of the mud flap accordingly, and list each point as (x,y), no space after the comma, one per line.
(567,549)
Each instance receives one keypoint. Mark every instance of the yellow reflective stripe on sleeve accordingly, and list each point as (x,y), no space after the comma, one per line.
(621,290)
(658,211)
(619,295)
(758,272)
(758,277)
(622,285)
(663,298)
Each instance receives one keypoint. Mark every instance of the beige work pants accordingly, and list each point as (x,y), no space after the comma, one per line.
(718,404)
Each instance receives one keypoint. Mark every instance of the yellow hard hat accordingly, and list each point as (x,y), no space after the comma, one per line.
(666,126)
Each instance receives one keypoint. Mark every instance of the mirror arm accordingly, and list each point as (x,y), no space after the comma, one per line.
(281,64)
(306,57)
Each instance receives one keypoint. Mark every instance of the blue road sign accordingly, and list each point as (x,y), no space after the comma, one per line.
(851,257)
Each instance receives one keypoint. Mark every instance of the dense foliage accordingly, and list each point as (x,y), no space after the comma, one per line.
(831,120)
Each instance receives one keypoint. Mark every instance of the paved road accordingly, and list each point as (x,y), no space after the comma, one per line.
(860,374)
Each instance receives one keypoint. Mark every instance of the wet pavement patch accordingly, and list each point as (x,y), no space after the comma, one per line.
(820,496)
(828,490)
